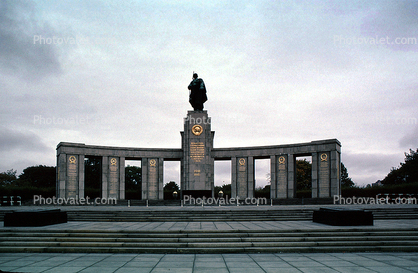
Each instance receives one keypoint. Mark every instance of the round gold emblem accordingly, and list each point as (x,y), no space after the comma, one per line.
(324,157)
(113,161)
(241,161)
(197,130)
(153,162)
(72,159)
(282,160)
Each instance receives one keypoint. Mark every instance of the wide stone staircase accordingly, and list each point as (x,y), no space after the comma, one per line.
(185,215)
(327,239)
(205,241)
(215,215)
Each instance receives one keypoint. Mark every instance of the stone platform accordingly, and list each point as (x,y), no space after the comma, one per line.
(208,234)
(258,246)
(343,217)
(34,218)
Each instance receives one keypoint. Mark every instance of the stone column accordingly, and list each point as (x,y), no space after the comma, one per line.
(314,175)
(251,177)
(122,178)
(144,168)
(335,173)
(153,180)
(71,185)
(324,174)
(281,176)
(57,178)
(113,178)
(242,177)
(234,191)
(81,175)
(291,176)
(61,175)
(273,182)
(160,179)
(182,172)
(105,179)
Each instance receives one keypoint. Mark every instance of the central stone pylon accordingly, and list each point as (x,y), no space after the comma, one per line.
(197,166)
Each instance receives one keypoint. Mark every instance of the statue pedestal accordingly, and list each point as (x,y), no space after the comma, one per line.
(197,170)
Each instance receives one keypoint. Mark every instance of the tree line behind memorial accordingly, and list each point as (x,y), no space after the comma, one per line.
(41,180)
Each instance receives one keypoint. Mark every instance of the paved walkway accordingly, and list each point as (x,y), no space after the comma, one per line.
(203,263)
(228,263)
(232,225)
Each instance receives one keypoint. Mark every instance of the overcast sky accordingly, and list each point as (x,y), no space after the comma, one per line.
(115,73)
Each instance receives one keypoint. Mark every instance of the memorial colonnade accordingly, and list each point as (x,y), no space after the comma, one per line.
(326,160)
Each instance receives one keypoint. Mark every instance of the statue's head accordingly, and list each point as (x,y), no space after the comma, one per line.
(194,75)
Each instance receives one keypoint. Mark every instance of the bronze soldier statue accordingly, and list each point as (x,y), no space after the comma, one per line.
(197,93)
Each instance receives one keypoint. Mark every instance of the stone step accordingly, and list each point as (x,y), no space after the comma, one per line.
(186,220)
(201,241)
(215,215)
(190,217)
(315,249)
(331,231)
(213,243)
(205,233)
(154,241)
(215,250)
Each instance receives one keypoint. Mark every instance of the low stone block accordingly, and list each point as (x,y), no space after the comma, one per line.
(343,217)
(34,218)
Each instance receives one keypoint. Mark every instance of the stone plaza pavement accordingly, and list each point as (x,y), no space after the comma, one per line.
(202,263)
(209,226)
(257,262)
(228,263)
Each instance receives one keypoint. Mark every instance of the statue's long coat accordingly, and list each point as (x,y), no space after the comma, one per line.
(197,94)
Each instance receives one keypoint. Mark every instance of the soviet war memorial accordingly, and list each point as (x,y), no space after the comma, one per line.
(192,236)
(208,136)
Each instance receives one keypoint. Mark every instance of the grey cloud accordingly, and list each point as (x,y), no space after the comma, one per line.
(11,140)
(394,20)
(370,166)
(410,141)
(39,110)
(367,162)
(19,55)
